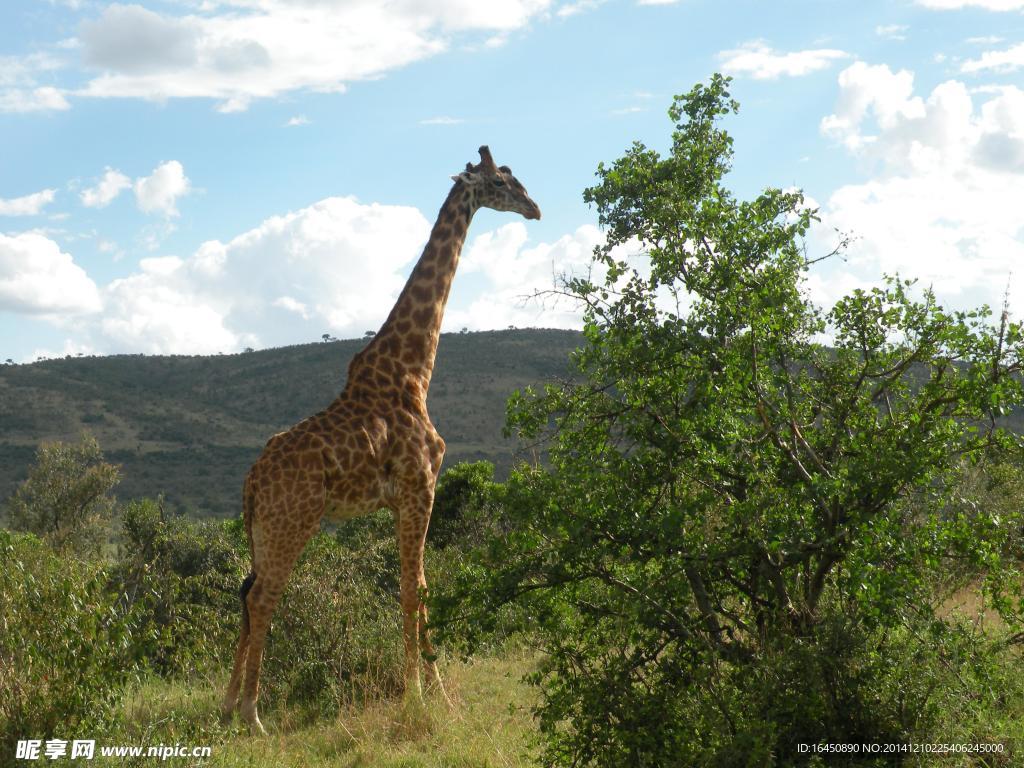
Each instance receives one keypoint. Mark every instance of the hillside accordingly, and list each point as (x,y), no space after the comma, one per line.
(189,427)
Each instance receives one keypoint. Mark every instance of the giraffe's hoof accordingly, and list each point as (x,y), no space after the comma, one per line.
(253,719)
(435,689)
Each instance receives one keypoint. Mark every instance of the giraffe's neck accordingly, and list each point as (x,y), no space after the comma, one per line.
(410,334)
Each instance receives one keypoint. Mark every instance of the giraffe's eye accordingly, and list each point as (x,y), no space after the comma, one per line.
(499,183)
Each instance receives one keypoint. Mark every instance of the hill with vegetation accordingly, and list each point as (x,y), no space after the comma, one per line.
(190,427)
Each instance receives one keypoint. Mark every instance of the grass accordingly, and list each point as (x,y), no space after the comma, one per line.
(489,726)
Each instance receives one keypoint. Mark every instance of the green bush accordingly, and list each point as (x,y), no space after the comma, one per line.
(467,505)
(181,578)
(67,643)
(66,498)
(336,637)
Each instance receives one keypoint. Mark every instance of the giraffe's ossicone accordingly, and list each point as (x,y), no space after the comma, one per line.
(374,447)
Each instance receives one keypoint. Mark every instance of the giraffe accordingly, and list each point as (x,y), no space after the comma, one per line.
(374,447)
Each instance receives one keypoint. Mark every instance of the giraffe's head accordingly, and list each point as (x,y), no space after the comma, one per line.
(497,188)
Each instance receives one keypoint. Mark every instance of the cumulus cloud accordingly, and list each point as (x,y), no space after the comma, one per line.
(335,266)
(516,282)
(36,277)
(864,88)
(1008,60)
(134,40)
(513,273)
(756,59)
(943,204)
(20,90)
(42,99)
(112,184)
(27,205)
(159,192)
(239,50)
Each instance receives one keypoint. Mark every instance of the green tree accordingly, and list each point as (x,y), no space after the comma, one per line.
(730,551)
(66,498)
(467,505)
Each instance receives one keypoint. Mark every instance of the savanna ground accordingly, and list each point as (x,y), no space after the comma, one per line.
(489,725)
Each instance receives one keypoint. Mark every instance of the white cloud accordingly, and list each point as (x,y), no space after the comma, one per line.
(892,31)
(240,50)
(27,205)
(864,88)
(580,6)
(335,266)
(290,304)
(517,279)
(984,40)
(442,120)
(159,192)
(513,273)
(943,205)
(42,99)
(36,277)
(21,71)
(296,121)
(109,187)
(20,90)
(1009,60)
(988,5)
(761,62)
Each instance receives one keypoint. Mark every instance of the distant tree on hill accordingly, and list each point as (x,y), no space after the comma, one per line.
(66,498)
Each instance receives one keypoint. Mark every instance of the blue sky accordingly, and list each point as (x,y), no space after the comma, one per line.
(199,176)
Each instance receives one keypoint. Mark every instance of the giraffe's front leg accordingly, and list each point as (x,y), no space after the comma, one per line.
(434,683)
(411,524)
(411,532)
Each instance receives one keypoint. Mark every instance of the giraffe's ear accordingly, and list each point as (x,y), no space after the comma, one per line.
(467,178)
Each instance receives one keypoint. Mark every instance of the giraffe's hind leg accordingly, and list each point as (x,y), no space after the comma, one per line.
(276,560)
(230,702)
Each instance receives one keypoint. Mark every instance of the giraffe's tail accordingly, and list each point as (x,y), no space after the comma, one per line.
(243,593)
(248,504)
(247,513)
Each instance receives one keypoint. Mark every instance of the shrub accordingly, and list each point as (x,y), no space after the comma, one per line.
(336,638)
(181,578)
(66,643)
(467,505)
(66,498)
